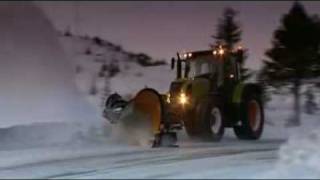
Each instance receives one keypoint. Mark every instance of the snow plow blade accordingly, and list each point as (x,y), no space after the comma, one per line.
(145,112)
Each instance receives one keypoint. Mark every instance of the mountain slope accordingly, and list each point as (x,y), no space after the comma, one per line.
(102,67)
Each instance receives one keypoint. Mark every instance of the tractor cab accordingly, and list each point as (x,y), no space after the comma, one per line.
(217,65)
(199,73)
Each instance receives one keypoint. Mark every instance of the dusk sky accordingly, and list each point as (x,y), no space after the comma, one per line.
(161,28)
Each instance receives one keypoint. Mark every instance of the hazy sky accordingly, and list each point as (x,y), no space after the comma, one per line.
(162,28)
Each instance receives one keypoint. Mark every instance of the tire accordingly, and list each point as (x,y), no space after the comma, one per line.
(200,123)
(251,117)
(212,122)
(190,123)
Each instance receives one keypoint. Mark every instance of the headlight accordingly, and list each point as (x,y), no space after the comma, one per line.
(183,99)
(168,98)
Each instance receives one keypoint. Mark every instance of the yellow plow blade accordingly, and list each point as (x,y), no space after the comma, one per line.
(148,102)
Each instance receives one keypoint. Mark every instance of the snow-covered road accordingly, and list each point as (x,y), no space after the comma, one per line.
(230,158)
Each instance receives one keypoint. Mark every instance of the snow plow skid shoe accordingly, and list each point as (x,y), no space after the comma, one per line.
(168,139)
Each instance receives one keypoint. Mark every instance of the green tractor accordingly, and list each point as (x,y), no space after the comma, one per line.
(206,97)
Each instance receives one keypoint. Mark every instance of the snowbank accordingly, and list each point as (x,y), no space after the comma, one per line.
(50,134)
(300,156)
(37,83)
(40,103)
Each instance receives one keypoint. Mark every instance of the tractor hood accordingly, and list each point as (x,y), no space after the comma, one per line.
(195,89)
(177,86)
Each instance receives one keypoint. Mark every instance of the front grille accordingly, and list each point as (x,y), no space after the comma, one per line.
(175,90)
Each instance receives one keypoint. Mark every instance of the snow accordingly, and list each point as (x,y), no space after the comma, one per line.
(190,160)
(132,77)
(49,129)
(130,82)
(40,103)
(300,156)
(37,83)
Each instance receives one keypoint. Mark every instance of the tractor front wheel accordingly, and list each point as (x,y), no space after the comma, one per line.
(212,121)
(205,122)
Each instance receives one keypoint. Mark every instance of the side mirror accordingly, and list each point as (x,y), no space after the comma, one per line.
(173,62)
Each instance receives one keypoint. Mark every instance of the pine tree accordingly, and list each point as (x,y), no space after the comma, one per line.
(228,34)
(294,56)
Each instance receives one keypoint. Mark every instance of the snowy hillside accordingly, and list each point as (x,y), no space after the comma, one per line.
(46,78)
(102,67)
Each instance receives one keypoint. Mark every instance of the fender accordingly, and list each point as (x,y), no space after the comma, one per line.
(241,88)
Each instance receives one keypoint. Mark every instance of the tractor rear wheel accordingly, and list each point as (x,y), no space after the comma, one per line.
(251,117)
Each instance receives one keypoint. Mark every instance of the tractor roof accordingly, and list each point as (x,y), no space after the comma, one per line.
(201,53)
(193,55)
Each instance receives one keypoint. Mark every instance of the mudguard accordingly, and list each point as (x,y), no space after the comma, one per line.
(241,88)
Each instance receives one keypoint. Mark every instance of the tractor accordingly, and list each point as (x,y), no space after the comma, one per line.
(207,96)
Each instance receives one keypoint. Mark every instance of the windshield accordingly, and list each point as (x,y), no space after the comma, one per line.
(202,67)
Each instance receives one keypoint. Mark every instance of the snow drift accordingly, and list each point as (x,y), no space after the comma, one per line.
(36,79)
(300,156)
